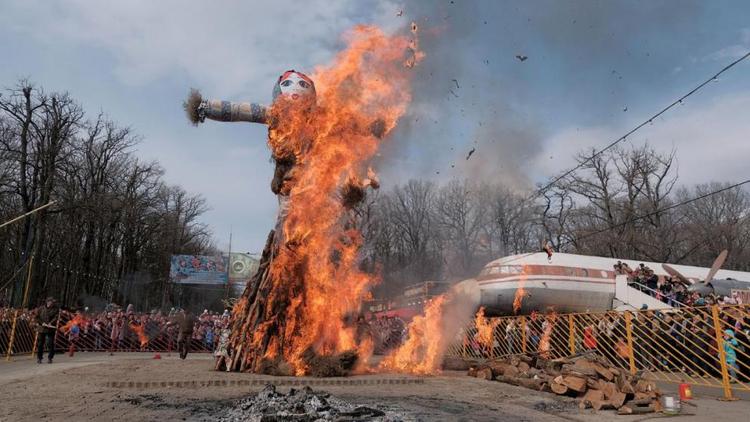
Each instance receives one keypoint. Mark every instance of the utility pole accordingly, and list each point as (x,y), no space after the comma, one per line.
(229,264)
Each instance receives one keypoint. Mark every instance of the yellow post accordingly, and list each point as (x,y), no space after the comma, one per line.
(12,337)
(572,334)
(33,348)
(523,334)
(15,315)
(629,331)
(722,354)
(491,340)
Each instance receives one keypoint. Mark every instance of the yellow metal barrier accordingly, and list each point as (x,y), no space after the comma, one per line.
(708,346)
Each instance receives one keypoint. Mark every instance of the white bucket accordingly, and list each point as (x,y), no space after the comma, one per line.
(670,404)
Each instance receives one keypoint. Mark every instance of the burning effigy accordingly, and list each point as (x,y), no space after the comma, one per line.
(298,314)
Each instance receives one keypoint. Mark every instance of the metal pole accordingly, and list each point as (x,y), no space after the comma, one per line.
(492,341)
(572,334)
(629,331)
(12,337)
(33,348)
(523,334)
(22,216)
(229,264)
(722,353)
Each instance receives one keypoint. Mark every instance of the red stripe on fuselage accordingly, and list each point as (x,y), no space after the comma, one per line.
(517,279)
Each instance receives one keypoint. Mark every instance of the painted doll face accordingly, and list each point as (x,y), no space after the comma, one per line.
(295,85)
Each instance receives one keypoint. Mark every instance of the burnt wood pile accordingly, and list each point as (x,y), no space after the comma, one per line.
(591,379)
(304,405)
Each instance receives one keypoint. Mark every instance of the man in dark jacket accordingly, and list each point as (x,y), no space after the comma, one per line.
(185,321)
(46,318)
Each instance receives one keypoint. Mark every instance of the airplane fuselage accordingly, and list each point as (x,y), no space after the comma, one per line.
(566,282)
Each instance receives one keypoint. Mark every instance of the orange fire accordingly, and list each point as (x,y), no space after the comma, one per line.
(76,320)
(520,292)
(140,331)
(360,97)
(544,343)
(429,335)
(421,353)
(485,328)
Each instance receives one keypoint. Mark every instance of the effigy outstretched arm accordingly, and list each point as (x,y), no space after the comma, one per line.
(198,110)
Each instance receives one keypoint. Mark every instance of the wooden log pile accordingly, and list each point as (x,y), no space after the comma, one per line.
(591,379)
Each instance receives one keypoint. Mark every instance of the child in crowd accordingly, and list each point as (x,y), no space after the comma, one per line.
(730,343)
(223,353)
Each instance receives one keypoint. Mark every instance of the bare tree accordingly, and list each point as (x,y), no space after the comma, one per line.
(115,219)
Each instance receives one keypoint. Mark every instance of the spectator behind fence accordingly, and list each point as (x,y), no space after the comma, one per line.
(47,326)
(185,321)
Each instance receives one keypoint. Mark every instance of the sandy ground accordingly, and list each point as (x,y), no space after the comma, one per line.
(132,386)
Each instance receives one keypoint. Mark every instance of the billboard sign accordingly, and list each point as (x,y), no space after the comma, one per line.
(198,269)
(242,267)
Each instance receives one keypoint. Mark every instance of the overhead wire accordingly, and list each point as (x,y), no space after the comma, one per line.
(567,173)
(658,211)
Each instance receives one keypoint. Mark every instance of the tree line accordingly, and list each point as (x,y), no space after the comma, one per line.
(115,221)
(622,203)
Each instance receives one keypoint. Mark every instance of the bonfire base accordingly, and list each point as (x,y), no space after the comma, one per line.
(340,365)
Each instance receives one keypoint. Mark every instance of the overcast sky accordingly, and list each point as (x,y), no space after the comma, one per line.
(588,61)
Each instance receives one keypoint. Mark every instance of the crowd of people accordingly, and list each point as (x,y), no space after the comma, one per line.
(118,329)
(670,290)
(670,341)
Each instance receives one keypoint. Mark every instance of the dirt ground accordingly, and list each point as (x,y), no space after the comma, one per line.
(134,387)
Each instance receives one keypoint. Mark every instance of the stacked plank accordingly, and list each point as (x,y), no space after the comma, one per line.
(592,380)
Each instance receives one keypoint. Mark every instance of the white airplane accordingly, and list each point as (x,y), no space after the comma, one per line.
(579,283)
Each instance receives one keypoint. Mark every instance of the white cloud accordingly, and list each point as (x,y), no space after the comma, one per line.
(711,139)
(735,51)
(224,46)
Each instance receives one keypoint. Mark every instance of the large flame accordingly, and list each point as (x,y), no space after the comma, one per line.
(429,334)
(360,97)
(485,328)
(520,292)
(544,342)
(421,353)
